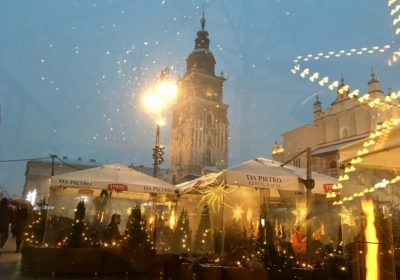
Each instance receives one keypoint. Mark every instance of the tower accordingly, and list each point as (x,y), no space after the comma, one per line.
(199,136)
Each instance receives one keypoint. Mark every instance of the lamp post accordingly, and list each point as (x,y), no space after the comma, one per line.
(309,185)
(156,101)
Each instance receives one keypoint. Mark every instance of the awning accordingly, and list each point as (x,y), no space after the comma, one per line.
(112,177)
(382,153)
(331,149)
(262,173)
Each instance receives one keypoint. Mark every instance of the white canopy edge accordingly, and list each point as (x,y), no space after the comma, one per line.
(112,177)
(264,174)
(384,154)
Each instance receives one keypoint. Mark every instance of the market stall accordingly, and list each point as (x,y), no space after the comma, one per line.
(254,204)
(105,191)
(109,214)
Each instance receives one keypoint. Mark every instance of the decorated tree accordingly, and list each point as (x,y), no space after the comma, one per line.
(237,247)
(34,232)
(137,237)
(77,237)
(273,251)
(163,235)
(182,237)
(203,239)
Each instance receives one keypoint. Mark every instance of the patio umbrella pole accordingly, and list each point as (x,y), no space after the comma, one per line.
(309,186)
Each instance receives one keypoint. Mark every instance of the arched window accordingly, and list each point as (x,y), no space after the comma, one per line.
(209,119)
(208,157)
(334,131)
(344,133)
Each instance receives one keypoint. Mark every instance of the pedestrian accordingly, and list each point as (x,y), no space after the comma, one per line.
(111,234)
(6,214)
(299,243)
(18,225)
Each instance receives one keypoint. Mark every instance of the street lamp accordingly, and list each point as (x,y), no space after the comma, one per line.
(159,98)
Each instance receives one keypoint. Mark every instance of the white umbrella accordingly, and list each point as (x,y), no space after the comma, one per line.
(263,173)
(114,177)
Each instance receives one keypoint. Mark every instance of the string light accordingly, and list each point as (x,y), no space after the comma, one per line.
(382,104)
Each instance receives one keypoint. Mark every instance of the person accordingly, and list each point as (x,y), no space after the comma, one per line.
(299,242)
(111,233)
(6,214)
(18,225)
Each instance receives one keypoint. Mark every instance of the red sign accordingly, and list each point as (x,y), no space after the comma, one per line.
(117,187)
(329,188)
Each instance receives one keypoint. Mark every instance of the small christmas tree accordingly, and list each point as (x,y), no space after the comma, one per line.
(33,235)
(77,237)
(163,235)
(182,236)
(137,237)
(203,241)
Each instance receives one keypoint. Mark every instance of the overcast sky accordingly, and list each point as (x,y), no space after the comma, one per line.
(71,71)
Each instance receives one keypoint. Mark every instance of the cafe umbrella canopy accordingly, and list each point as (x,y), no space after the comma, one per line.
(105,191)
(112,177)
(264,173)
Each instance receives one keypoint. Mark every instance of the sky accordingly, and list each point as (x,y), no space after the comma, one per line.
(72,72)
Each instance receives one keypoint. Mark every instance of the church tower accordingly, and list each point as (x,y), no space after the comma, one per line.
(199,137)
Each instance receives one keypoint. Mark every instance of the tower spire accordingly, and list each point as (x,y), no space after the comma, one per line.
(203,20)
(372,73)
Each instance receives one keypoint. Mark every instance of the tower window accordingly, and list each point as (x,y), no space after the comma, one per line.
(209,119)
(207,157)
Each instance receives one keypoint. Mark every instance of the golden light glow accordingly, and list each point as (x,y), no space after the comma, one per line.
(277,149)
(152,103)
(216,194)
(166,89)
(161,121)
(159,97)
(237,213)
(172,219)
(371,240)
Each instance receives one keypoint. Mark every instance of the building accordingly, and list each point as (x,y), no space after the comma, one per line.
(199,137)
(38,173)
(344,121)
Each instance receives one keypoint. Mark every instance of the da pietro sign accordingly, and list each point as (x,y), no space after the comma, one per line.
(74,183)
(263,181)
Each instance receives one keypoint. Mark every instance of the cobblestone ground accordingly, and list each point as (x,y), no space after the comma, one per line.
(10,263)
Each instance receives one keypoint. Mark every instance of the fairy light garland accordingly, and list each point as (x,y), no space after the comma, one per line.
(331,84)
(382,131)
(387,103)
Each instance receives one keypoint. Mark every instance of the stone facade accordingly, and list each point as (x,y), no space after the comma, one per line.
(344,121)
(199,138)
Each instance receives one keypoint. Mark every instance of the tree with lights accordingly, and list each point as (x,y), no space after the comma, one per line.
(34,232)
(77,237)
(268,241)
(137,237)
(203,241)
(182,237)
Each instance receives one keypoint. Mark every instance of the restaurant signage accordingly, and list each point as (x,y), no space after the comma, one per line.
(117,187)
(263,181)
